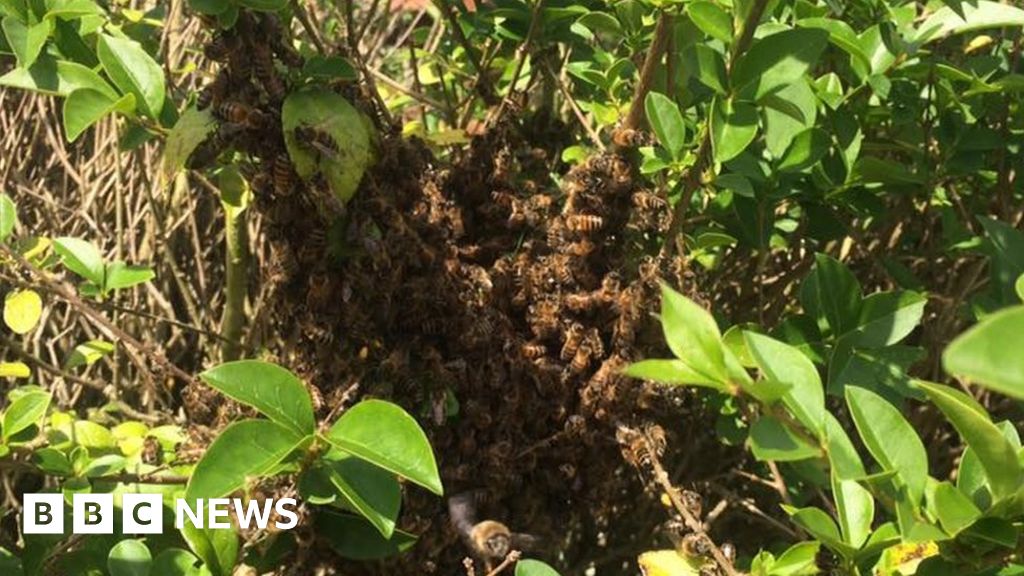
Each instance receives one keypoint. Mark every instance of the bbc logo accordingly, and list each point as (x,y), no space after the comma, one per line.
(93,514)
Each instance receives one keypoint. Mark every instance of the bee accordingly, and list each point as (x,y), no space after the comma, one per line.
(534,350)
(581,360)
(584,223)
(581,248)
(610,285)
(560,269)
(318,291)
(648,200)
(283,260)
(695,546)
(593,339)
(709,570)
(543,317)
(238,113)
(283,176)
(208,151)
(693,502)
(583,302)
(221,47)
(648,270)
(317,140)
(316,396)
(491,539)
(556,233)
(263,59)
(605,372)
(213,92)
(630,138)
(573,339)
(152,452)
(728,550)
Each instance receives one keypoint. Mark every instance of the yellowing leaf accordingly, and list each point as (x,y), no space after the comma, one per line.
(22,310)
(668,563)
(14,370)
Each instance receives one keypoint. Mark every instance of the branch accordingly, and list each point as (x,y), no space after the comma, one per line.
(662,33)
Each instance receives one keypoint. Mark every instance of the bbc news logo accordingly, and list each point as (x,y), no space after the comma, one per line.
(144,513)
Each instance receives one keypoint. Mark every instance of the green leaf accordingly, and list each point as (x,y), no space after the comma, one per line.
(385,435)
(527,567)
(989,353)
(667,122)
(818,524)
(24,411)
(265,5)
(674,372)
(371,491)
(274,391)
(56,77)
(330,68)
(26,41)
(1019,287)
(977,15)
(355,538)
(783,363)
(72,9)
(1008,265)
(191,129)
(120,275)
(842,455)
(710,69)
(129,558)
(351,131)
(88,353)
(81,257)
(886,318)
(85,107)
(788,112)
(998,457)
(840,34)
(22,309)
(954,509)
(890,439)
(244,451)
(770,439)
(855,507)
(133,71)
(692,335)
(806,149)
(733,127)
(14,370)
(778,60)
(218,549)
(711,19)
(175,562)
(832,292)
(53,462)
(8,216)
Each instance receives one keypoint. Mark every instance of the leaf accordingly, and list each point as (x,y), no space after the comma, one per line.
(351,131)
(274,391)
(265,5)
(692,335)
(855,507)
(954,509)
(778,60)
(674,372)
(88,353)
(191,129)
(783,363)
(667,122)
(668,563)
(770,439)
(371,491)
(22,309)
(8,216)
(85,107)
(711,20)
(818,524)
(355,538)
(710,68)
(527,567)
(330,68)
(24,411)
(129,558)
(733,127)
(1008,244)
(175,562)
(788,112)
(56,77)
(886,318)
(840,34)
(997,456)
(385,435)
(890,439)
(804,151)
(218,549)
(989,353)
(1019,287)
(133,71)
(842,456)
(244,451)
(26,41)
(14,370)
(831,291)
(977,15)
(72,9)
(120,275)
(81,257)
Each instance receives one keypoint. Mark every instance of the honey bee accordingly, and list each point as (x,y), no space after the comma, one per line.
(491,539)
(695,545)
(534,350)
(208,151)
(263,59)
(560,269)
(581,248)
(584,223)
(728,550)
(543,317)
(221,47)
(283,176)
(610,285)
(593,339)
(630,138)
(573,339)
(317,140)
(152,452)
(693,502)
(318,291)
(556,233)
(238,113)
(648,200)
(213,92)
(581,360)
(283,260)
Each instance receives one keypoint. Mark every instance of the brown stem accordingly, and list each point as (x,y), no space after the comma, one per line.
(662,33)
